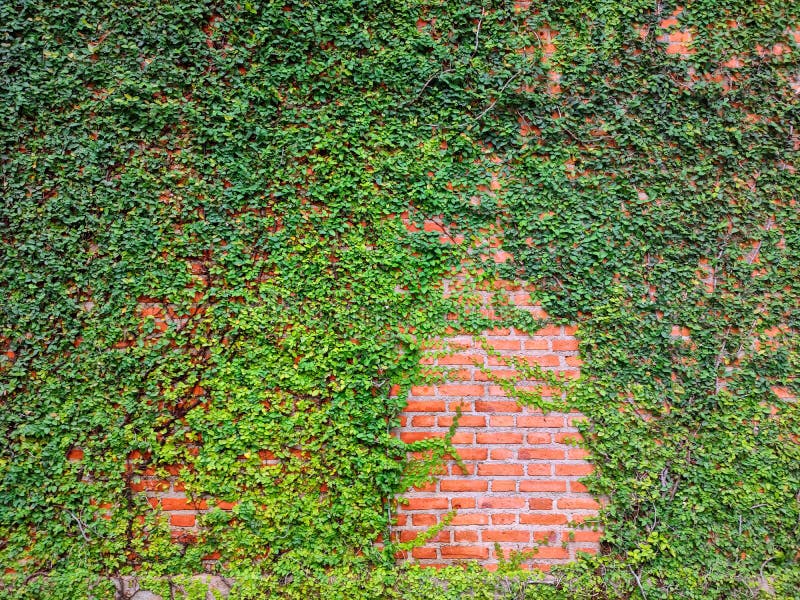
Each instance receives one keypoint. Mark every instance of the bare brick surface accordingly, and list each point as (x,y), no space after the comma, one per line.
(521,487)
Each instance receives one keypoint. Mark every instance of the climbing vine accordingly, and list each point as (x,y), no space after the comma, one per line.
(226,231)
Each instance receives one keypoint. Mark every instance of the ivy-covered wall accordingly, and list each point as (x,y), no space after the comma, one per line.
(231,230)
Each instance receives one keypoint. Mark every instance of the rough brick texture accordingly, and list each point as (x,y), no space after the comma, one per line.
(521,489)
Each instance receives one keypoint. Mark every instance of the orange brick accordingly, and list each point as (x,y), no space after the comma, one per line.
(463,485)
(540,504)
(424,520)
(465,552)
(464,421)
(182,520)
(470,519)
(473,453)
(499,438)
(458,389)
(577,486)
(577,470)
(505,344)
(537,344)
(424,406)
(567,438)
(506,536)
(502,420)
(547,360)
(504,518)
(504,485)
(465,536)
(490,502)
(497,406)
(414,436)
(577,503)
(538,438)
(500,469)
(537,485)
(425,504)
(423,552)
(422,390)
(539,469)
(552,552)
(461,359)
(541,454)
(539,421)
(569,345)
(423,421)
(544,519)
(462,503)
(587,536)
(182,504)
(501,454)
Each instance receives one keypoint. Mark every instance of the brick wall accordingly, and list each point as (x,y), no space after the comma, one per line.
(521,490)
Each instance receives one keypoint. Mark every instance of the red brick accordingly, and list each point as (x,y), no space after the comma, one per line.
(463,485)
(470,519)
(465,552)
(587,536)
(501,469)
(490,502)
(569,345)
(577,470)
(540,504)
(541,454)
(423,421)
(536,485)
(473,453)
(516,536)
(461,359)
(463,437)
(577,454)
(423,552)
(499,438)
(538,438)
(464,421)
(549,331)
(182,504)
(568,438)
(555,552)
(182,520)
(504,485)
(539,469)
(465,536)
(425,503)
(462,503)
(505,344)
(414,436)
(424,406)
(501,454)
(497,406)
(577,486)
(504,518)
(577,503)
(537,344)
(424,520)
(502,420)
(547,360)
(539,421)
(543,519)
(422,390)
(457,389)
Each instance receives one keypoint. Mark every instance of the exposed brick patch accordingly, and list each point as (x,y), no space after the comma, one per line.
(521,487)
